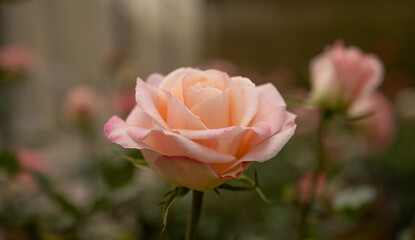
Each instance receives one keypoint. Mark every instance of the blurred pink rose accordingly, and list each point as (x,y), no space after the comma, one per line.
(340,76)
(16,58)
(305,186)
(123,101)
(30,161)
(378,128)
(199,129)
(81,105)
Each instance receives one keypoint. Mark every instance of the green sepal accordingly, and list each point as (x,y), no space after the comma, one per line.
(216,191)
(138,162)
(357,117)
(244,183)
(172,196)
(300,102)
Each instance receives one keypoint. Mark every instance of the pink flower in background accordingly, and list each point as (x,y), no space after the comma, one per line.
(380,126)
(305,186)
(123,101)
(16,58)
(340,76)
(199,129)
(30,161)
(81,105)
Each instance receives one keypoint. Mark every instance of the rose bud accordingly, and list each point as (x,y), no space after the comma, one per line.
(16,58)
(199,129)
(340,76)
(30,161)
(81,105)
(305,186)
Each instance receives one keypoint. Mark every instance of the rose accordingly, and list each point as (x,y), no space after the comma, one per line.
(199,129)
(30,162)
(81,105)
(340,76)
(307,186)
(16,58)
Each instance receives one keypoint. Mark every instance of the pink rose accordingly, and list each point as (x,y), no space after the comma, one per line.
(81,105)
(340,76)
(16,58)
(305,186)
(30,161)
(199,129)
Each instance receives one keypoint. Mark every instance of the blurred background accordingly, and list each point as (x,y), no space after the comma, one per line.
(67,66)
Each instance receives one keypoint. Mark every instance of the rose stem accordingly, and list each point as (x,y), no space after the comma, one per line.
(195,211)
(320,168)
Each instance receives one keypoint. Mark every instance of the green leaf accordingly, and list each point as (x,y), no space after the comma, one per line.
(138,162)
(117,175)
(42,180)
(65,205)
(173,196)
(9,162)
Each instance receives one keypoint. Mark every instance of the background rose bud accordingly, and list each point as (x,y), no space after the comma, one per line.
(81,105)
(340,76)
(30,161)
(305,186)
(199,129)
(16,58)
